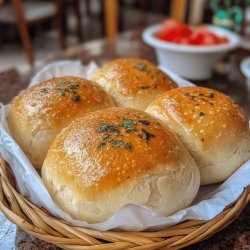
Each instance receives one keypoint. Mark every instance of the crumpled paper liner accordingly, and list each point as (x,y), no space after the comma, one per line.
(209,202)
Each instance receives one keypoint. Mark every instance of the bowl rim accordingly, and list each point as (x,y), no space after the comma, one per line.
(150,39)
(245,67)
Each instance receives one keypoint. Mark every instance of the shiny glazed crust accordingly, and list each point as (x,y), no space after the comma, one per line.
(118,156)
(39,113)
(214,129)
(133,82)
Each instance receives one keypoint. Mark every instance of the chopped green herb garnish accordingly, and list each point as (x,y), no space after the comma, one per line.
(45,90)
(62,81)
(73,86)
(202,114)
(66,86)
(101,144)
(63,92)
(127,124)
(117,143)
(75,98)
(105,136)
(148,134)
(144,122)
(211,95)
(141,66)
(140,135)
(115,129)
(187,94)
(129,130)
(110,139)
(103,127)
(117,133)
(128,146)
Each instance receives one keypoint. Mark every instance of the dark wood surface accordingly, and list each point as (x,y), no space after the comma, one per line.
(227,78)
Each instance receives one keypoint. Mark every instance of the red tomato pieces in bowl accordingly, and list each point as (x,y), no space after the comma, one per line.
(173,31)
(176,32)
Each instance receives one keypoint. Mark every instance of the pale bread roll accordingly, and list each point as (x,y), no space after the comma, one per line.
(133,82)
(39,113)
(119,156)
(214,129)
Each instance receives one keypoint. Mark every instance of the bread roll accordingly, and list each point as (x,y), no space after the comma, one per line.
(214,129)
(39,113)
(119,156)
(133,82)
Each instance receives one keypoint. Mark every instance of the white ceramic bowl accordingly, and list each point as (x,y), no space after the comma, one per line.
(245,69)
(190,61)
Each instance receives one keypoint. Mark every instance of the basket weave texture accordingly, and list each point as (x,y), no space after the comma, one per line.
(39,223)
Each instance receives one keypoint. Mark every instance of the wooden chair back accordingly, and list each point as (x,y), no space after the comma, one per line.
(177,11)
(23,23)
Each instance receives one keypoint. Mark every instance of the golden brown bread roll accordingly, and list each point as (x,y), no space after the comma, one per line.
(118,156)
(39,113)
(133,82)
(214,129)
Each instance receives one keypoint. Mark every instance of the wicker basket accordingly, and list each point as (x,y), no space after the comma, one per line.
(44,226)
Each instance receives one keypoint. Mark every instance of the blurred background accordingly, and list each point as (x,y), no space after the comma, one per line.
(31,31)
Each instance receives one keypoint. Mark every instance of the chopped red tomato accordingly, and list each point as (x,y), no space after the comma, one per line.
(204,38)
(223,39)
(176,32)
(185,40)
(173,31)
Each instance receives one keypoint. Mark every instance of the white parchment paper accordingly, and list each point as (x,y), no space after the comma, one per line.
(210,201)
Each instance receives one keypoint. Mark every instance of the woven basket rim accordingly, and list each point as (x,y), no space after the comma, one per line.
(41,224)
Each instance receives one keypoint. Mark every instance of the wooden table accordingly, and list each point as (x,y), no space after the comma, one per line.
(228,79)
